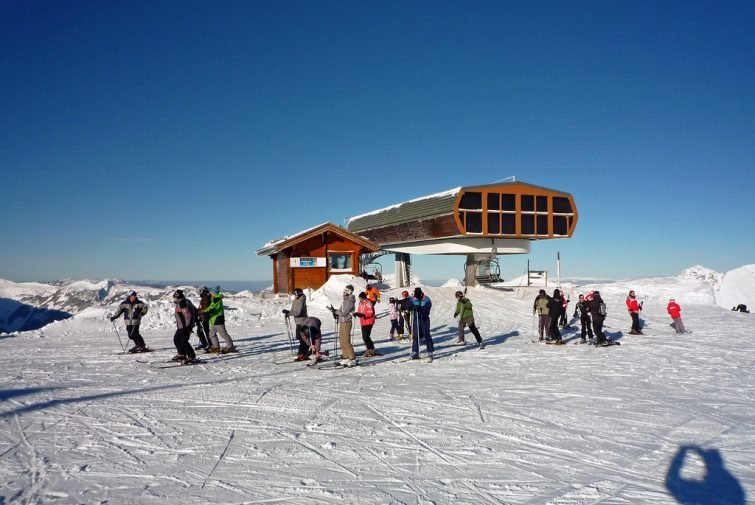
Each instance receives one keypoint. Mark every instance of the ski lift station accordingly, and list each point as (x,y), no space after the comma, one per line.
(479,222)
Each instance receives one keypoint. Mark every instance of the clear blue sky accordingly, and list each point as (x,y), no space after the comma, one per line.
(171,139)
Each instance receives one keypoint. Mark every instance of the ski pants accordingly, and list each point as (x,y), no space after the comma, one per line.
(220,329)
(635,321)
(543,325)
(421,329)
(366,332)
(586,329)
(133,334)
(344,338)
(181,341)
(407,321)
(469,321)
(396,327)
(554,332)
(401,324)
(203,332)
(303,345)
(597,326)
(679,325)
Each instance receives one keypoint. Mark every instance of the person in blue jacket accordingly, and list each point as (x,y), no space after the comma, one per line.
(420,305)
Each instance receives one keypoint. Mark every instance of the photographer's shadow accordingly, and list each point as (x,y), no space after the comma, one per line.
(716,486)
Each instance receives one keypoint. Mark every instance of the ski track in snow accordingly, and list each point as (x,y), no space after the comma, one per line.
(517,422)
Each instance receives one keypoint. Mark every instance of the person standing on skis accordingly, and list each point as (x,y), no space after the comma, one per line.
(466,318)
(133,310)
(299,313)
(675,311)
(420,306)
(185,319)
(597,309)
(404,321)
(540,307)
(344,315)
(634,308)
(216,313)
(373,294)
(366,314)
(582,311)
(555,306)
(394,315)
(203,322)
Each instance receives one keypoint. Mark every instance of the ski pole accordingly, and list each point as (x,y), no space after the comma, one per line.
(288,332)
(337,336)
(119,336)
(533,328)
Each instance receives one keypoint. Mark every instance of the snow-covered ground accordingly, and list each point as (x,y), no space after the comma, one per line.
(663,418)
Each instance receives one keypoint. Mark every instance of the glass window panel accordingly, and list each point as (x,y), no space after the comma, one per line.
(471,200)
(559,225)
(508,224)
(494,201)
(528,203)
(561,205)
(508,202)
(340,261)
(542,204)
(474,222)
(542,224)
(528,224)
(494,224)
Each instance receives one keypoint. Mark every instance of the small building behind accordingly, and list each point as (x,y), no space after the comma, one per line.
(309,258)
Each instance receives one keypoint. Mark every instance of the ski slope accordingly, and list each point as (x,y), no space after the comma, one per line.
(661,419)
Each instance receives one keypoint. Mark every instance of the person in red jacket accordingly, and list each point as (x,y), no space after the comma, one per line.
(675,311)
(366,314)
(634,308)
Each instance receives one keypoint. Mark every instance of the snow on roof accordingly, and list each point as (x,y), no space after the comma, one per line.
(449,192)
(289,237)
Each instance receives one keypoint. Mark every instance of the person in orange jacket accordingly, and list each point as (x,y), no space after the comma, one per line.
(373,295)
(366,314)
(634,307)
(675,311)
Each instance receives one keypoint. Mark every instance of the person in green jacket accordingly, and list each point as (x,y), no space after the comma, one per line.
(466,318)
(216,315)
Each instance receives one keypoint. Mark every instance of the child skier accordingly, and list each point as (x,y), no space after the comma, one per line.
(675,311)
(397,325)
(366,314)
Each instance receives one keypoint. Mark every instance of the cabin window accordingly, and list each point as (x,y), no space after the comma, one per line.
(559,225)
(528,203)
(561,205)
(508,223)
(494,223)
(508,202)
(474,222)
(542,204)
(340,261)
(494,201)
(471,201)
(542,224)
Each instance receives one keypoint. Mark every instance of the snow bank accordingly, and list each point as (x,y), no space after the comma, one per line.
(737,286)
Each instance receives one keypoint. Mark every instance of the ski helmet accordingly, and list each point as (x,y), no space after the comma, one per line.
(458,294)
(132,293)
(178,294)
(405,294)
(298,292)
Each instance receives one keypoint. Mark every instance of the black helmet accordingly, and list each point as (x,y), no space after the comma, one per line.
(178,293)
(458,294)
(298,292)
(204,289)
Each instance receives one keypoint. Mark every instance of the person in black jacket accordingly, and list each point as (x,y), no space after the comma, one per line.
(597,309)
(133,310)
(584,318)
(555,307)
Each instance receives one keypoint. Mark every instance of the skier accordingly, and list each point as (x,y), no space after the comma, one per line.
(308,333)
(133,310)
(466,318)
(597,309)
(405,321)
(216,313)
(582,311)
(397,326)
(555,306)
(203,322)
(373,295)
(564,306)
(675,311)
(420,306)
(540,307)
(366,314)
(634,308)
(344,316)
(185,319)
(299,313)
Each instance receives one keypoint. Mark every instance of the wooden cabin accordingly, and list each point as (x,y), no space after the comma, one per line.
(309,258)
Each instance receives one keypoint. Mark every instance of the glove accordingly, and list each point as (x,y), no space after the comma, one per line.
(575,314)
(112,319)
(358,314)
(335,316)
(330,308)
(286,312)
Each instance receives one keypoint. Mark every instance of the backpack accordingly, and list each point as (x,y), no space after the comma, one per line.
(602,309)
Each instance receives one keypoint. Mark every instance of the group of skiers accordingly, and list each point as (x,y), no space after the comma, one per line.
(591,310)
(209,320)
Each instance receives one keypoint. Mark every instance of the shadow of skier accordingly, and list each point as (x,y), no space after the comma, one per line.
(717,485)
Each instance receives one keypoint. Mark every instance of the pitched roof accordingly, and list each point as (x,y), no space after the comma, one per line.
(277,245)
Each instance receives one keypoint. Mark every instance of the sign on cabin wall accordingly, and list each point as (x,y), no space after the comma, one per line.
(308,262)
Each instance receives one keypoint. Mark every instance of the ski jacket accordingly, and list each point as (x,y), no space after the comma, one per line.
(463,308)
(373,294)
(345,313)
(674,310)
(204,302)
(555,306)
(368,310)
(312,325)
(133,312)
(541,304)
(299,309)
(421,306)
(393,310)
(632,305)
(593,306)
(404,304)
(582,309)
(185,313)
(215,311)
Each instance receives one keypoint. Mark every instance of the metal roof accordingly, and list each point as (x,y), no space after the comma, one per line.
(422,208)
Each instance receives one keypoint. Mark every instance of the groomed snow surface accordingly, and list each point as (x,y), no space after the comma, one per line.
(661,419)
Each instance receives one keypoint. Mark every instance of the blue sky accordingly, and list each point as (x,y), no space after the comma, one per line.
(170,140)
